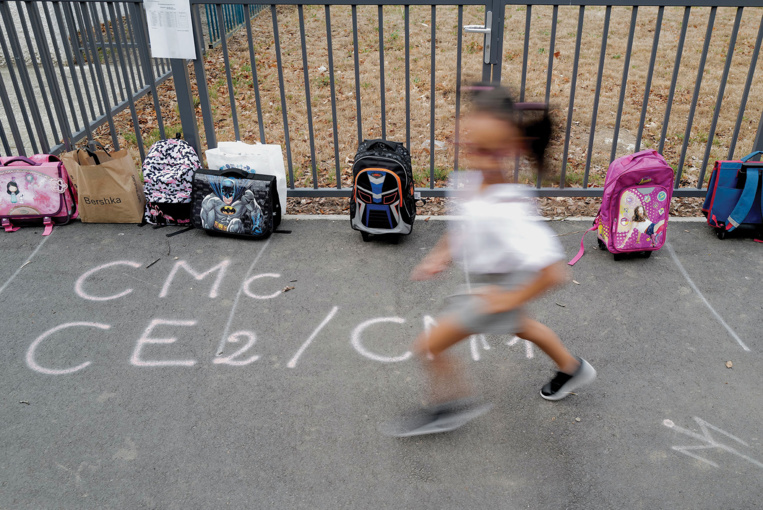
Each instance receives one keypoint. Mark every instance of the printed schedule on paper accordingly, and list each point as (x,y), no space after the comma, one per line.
(170,28)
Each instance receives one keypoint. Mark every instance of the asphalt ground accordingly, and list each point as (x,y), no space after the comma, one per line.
(141,371)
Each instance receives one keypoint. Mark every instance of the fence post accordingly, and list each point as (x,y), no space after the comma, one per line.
(758,146)
(182,81)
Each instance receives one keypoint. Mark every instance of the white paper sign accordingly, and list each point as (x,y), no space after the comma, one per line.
(170,29)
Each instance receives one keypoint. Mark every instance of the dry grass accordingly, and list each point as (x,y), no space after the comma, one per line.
(326,164)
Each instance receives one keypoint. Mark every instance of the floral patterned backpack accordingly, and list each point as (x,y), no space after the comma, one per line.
(167,178)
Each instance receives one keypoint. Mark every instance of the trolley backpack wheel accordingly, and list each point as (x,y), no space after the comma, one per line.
(646,254)
(602,245)
(721,233)
(366,236)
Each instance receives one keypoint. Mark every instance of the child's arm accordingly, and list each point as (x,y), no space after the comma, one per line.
(435,262)
(497,301)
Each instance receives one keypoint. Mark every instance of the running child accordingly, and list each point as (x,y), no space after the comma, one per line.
(509,257)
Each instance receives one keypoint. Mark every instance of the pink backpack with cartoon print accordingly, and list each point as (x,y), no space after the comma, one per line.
(35,190)
(635,206)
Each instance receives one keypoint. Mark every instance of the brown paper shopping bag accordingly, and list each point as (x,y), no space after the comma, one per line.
(109,186)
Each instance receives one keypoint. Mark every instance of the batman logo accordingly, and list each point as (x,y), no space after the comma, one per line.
(226,209)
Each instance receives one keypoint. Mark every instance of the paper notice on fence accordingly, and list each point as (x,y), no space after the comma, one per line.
(170,28)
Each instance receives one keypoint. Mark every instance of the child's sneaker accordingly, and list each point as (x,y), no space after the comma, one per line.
(440,418)
(562,384)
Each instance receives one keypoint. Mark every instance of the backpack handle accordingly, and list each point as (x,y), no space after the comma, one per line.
(647,152)
(392,146)
(235,172)
(750,156)
(20,159)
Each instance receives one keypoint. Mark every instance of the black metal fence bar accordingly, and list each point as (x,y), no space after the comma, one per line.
(10,59)
(130,97)
(408,74)
(697,86)
(72,116)
(202,88)
(73,67)
(308,100)
(85,58)
(719,101)
(18,59)
(229,79)
(137,32)
(274,16)
(255,80)
(127,20)
(382,89)
(433,52)
(597,94)
(358,110)
(650,73)
(573,83)
(10,117)
(40,82)
(106,53)
(332,84)
(87,22)
(746,93)
(52,82)
(459,46)
(624,84)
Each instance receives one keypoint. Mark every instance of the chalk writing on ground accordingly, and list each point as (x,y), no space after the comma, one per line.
(152,347)
(708,442)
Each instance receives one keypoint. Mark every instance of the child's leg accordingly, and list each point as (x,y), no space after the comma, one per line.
(445,376)
(545,338)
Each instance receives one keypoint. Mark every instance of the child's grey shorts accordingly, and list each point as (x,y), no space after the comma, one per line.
(468,308)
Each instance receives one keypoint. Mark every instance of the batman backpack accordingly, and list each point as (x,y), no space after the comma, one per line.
(236,203)
(383,200)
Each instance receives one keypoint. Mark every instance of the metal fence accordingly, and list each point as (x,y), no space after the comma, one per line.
(233,19)
(70,68)
(316,78)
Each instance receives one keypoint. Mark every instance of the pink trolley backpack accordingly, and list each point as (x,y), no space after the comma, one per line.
(35,191)
(635,207)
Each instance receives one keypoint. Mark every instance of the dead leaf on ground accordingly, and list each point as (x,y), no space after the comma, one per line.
(287,289)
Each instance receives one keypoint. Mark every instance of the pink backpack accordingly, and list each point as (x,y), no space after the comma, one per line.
(635,207)
(35,190)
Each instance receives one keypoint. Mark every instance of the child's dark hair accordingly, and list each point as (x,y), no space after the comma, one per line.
(532,119)
(8,187)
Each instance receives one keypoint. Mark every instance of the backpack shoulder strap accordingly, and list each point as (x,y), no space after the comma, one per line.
(742,209)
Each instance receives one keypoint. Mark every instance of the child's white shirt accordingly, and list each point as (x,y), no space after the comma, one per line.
(500,231)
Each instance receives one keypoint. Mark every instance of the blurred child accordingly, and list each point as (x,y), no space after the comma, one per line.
(509,258)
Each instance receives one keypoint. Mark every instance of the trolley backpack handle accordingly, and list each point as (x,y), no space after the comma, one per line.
(646,152)
(750,156)
(235,172)
(391,145)
(20,159)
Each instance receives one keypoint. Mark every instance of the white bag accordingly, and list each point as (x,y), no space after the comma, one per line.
(265,159)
